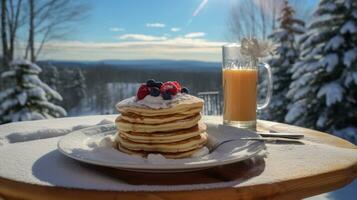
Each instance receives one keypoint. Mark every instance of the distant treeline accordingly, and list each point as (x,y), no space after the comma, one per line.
(94,87)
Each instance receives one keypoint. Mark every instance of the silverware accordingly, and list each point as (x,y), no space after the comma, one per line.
(267,140)
(282,135)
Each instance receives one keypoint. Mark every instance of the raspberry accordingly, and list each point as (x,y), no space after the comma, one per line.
(178,86)
(143,91)
(169,87)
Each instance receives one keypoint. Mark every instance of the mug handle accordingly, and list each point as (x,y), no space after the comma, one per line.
(269,85)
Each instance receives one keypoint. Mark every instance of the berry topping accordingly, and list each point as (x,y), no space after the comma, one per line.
(178,86)
(169,87)
(150,83)
(155,88)
(184,90)
(158,84)
(166,96)
(142,92)
(155,91)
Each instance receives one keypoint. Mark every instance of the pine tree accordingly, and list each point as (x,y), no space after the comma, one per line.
(52,76)
(324,87)
(77,88)
(27,98)
(286,55)
(79,84)
(74,90)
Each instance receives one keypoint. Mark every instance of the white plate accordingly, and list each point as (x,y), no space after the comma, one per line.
(82,145)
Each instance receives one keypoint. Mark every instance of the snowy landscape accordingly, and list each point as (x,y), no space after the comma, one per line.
(314,71)
(314,63)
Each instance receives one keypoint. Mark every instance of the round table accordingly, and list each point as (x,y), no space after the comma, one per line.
(292,173)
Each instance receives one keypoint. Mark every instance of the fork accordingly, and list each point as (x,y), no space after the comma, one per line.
(281,135)
(270,140)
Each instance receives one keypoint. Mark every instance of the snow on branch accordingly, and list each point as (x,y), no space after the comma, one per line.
(333,93)
(52,107)
(9,73)
(330,61)
(349,27)
(295,111)
(27,64)
(36,81)
(349,57)
(334,43)
(6,93)
(350,77)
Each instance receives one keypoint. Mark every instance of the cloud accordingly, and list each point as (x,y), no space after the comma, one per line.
(195,35)
(140,37)
(155,25)
(116,29)
(199,8)
(172,48)
(175,29)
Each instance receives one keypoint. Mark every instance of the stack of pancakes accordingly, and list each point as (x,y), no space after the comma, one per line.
(174,131)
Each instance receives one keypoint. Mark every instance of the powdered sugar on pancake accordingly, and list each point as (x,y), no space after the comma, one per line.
(154,102)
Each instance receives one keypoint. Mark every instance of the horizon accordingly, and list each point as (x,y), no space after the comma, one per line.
(128,60)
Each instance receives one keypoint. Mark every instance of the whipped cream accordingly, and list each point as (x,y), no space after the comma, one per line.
(107,141)
(154,102)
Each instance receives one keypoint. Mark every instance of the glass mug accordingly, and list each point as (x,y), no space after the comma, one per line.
(240,78)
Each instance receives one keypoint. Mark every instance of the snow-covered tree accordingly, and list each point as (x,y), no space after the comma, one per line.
(77,91)
(27,98)
(50,75)
(73,88)
(285,37)
(324,87)
(79,84)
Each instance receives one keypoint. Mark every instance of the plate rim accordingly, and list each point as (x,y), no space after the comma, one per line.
(157,167)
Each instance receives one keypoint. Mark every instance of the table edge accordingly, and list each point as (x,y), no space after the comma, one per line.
(279,190)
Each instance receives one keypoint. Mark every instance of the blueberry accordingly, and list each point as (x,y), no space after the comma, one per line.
(166,96)
(150,82)
(158,84)
(184,90)
(155,91)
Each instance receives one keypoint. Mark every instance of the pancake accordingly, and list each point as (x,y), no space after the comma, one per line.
(166,155)
(159,119)
(126,126)
(182,104)
(165,137)
(180,146)
(168,125)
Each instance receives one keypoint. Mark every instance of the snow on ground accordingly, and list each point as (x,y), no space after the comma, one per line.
(43,129)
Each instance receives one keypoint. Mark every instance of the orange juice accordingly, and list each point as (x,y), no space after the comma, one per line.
(240,94)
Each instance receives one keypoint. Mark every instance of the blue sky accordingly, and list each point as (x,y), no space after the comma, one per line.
(136,16)
(147,29)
